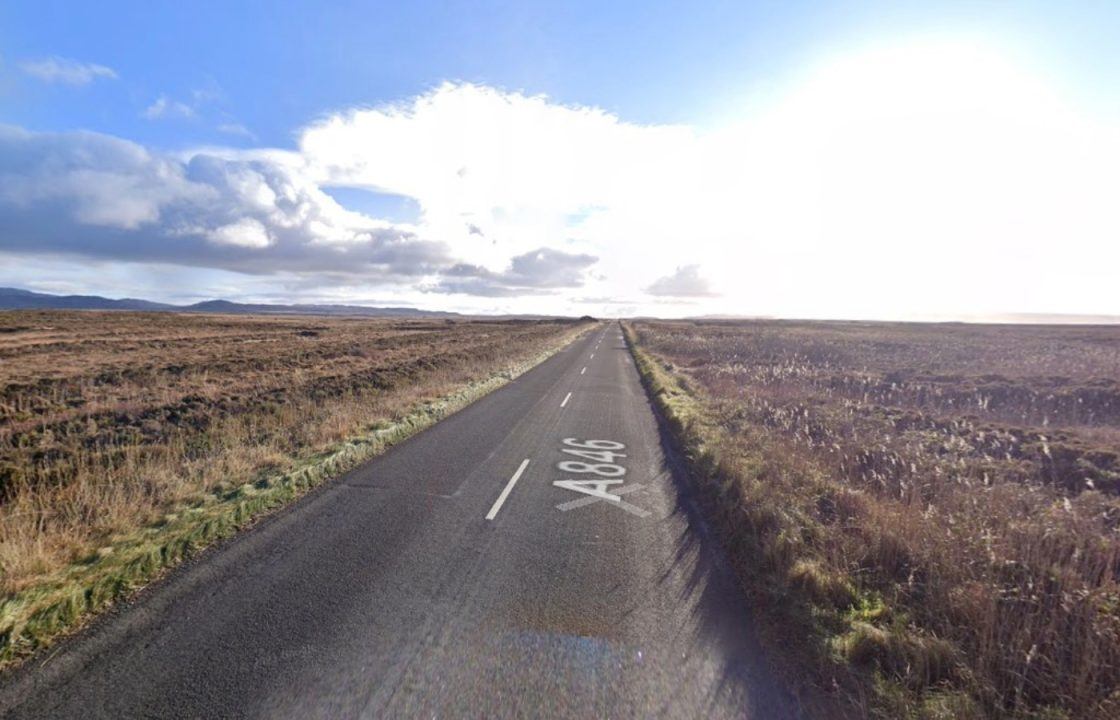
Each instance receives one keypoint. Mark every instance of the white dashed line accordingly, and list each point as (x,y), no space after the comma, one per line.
(583,370)
(505,493)
(566,399)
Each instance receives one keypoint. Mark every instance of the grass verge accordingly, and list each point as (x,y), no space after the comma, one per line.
(925,516)
(36,616)
(826,634)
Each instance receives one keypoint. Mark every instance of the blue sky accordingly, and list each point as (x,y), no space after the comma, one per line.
(272,70)
(180,80)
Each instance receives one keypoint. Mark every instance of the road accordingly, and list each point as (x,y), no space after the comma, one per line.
(452,577)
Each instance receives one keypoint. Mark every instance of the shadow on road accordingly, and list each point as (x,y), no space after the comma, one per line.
(725,624)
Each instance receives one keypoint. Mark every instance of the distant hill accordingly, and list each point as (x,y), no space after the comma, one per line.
(16,299)
(233,308)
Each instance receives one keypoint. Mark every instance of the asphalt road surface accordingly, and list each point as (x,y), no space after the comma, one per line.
(451,577)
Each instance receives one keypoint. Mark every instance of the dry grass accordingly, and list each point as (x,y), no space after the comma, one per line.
(936,508)
(117,426)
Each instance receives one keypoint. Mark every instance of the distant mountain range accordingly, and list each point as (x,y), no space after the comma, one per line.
(16,299)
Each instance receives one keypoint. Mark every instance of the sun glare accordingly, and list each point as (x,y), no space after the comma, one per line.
(945,156)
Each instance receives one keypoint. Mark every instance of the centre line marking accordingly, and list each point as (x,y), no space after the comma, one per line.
(505,493)
(583,370)
(566,399)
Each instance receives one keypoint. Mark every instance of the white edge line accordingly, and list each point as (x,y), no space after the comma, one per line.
(505,493)
(566,399)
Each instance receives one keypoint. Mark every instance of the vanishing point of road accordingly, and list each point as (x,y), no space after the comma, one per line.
(533,555)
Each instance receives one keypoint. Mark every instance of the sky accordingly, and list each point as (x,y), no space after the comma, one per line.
(883,160)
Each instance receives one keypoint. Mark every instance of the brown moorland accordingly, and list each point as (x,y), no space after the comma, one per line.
(127,440)
(929,515)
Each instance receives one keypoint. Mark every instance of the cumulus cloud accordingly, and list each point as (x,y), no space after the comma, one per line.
(65,71)
(526,169)
(895,173)
(258,212)
(684,282)
(486,146)
(262,211)
(101,197)
(246,232)
(548,268)
(99,181)
(540,270)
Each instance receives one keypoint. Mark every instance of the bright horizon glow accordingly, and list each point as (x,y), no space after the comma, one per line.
(933,176)
(935,166)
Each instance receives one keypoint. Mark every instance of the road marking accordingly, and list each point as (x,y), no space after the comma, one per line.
(583,370)
(590,499)
(505,493)
(592,356)
(595,488)
(599,481)
(566,399)
(620,503)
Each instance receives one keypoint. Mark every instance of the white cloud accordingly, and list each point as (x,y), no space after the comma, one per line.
(685,282)
(927,177)
(246,232)
(525,169)
(165,107)
(102,181)
(100,197)
(536,271)
(236,129)
(69,72)
(871,186)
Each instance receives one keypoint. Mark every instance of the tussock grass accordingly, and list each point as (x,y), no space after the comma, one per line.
(926,515)
(130,441)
